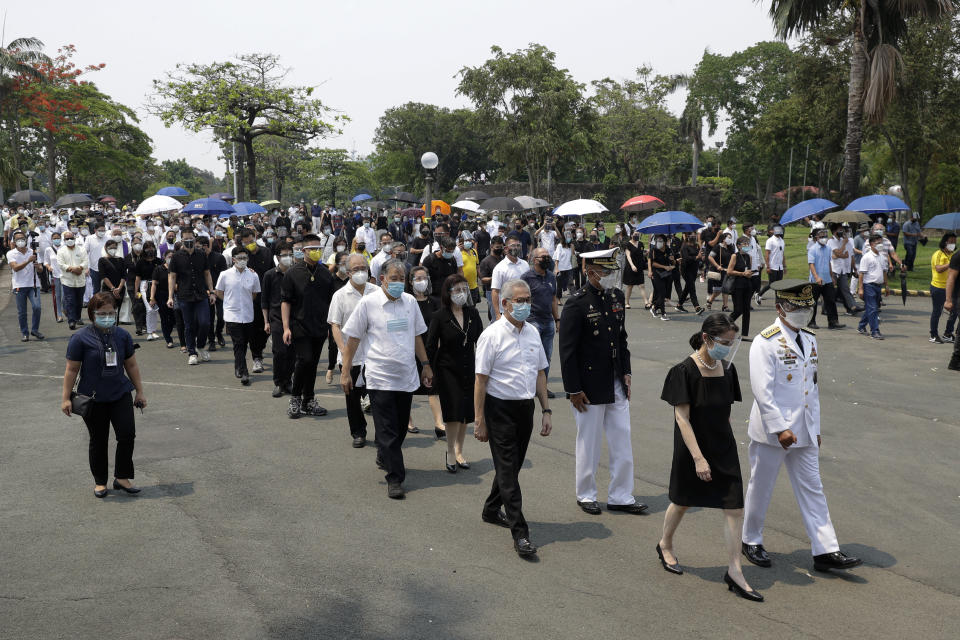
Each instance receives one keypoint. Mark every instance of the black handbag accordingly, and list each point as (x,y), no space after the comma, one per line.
(727,286)
(81,404)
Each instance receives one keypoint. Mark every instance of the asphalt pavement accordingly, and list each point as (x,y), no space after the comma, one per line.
(251,525)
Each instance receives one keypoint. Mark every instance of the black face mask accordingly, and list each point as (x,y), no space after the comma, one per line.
(188,244)
(497,252)
(546,263)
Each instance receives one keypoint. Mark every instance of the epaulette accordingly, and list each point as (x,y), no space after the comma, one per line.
(770,331)
(808,331)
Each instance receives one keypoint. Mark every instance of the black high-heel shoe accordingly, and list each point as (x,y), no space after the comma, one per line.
(100,493)
(752,596)
(463,465)
(120,487)
(440,433)
(669,568)
(452,468)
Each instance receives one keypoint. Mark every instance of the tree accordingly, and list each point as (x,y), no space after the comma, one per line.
(876,28)
(17,59)
(242,101)
(535,111)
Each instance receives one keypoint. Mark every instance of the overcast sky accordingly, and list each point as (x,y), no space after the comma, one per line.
(365,56)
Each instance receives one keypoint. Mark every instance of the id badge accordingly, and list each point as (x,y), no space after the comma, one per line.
(397,325)
(111,358)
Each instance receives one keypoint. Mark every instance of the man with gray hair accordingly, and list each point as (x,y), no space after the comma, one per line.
(511,369)
(387,328)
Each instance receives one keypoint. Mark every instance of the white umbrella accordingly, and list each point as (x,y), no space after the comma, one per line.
(158,204)
(529,202)
(467,205)
(582,207)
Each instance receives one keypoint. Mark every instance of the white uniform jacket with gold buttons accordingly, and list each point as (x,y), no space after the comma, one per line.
(784,383)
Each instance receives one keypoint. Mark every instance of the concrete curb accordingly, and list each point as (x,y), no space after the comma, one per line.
(920,293)
(6,293)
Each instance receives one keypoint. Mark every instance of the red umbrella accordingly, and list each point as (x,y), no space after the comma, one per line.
(412,212)
(107,199)
(642,203)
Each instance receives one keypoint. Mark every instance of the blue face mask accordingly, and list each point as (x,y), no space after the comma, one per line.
(719,351)
(395,289)
(521,311)
(297,254)
(105,322)
(448,254)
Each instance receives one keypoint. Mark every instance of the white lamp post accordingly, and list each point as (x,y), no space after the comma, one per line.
(429,162)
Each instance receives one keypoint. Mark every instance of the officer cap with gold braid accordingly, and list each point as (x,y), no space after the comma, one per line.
(799,293)
(605,258)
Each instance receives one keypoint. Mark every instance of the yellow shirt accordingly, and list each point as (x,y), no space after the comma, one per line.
(470,260)
(940,257)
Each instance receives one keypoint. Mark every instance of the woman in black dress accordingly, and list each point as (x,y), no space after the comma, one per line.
(418,285)
(717,261)
(706,468)
(450,343)
(113,272)
(738,268)
(635,266)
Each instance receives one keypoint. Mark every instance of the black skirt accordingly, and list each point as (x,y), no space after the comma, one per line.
(455,389)
(710,400)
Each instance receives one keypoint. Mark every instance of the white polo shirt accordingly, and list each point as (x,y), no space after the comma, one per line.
(367,235)
(512,358)
(872,267)
(50,260)
(377,263)
(26,276)
(774,245)
(840,265)
(238,288)
(436,247)
(506,271)
(342,305)
(389,327)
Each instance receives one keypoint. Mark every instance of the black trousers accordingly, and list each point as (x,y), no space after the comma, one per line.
(102,415)
(773,276)
(168,320)
(305,372)
(741,306)
(331,352)
(829,294)
(258,337)
(178,317)
(240,333)
(391,414)
(283,356)
(355,417)
(138,309)
(676,283)
(216,320)
(755,283)
(689,288)
(509,425)
(73,302)
(563,280)
(661,288)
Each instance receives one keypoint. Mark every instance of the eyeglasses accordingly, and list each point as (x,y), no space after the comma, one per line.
(726,343)
(520,300)
(460,290)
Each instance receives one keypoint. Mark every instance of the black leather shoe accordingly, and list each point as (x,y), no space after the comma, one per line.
(73,326)
(752,596)
(245,380)
(221,341)
(380,464)
(120,487)
(524,547)
(669,568)
(813,325)
(441,434)
(359,442)
(593,508)
(395,491)
(835,560)
(277,391)
(756,554)
(836,326)
(101,493)
(636,508)
(37,335)
(451,468)
(463,465)
(496,518)
(212,347)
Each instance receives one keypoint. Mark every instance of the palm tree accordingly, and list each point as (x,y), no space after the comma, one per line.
(691,122)
(877,26)
(19,58)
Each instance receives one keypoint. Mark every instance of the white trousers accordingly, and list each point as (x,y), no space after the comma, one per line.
(803,467)
(614,421)
(153,313)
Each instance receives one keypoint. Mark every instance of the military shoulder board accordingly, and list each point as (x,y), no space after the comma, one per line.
(769,332)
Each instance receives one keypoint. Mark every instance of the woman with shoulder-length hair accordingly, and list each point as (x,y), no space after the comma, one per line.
(706,467)
(102,355)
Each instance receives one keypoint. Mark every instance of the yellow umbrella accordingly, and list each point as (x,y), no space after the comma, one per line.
(266,204)
(435,204)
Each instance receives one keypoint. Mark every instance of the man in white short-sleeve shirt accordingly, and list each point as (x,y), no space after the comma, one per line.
(509,269)
(390,323)
(511,368)
(237,287)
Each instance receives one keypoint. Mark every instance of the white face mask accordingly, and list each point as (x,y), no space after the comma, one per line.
(21,243)
(460,298)
(112,253)
(420,285)
(796,319)
(822,240)
(360,278)
(240,263)
(70,242)
(952,247)
(137,247)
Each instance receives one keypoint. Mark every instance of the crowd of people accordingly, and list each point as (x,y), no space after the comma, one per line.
(395,301)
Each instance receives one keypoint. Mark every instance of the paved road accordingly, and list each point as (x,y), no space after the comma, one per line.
(251,525)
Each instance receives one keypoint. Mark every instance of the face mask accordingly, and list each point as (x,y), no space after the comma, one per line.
(659,244)
(298,254)
(729,242)
(40,227)
(341,248)
(951,247)
(188,244)
(521,311)
(397,220)
(168,261)
(618,228)
(21,243)
(602,234)
(778,231)
(467,244)
(514,251)
(315,255)
(609,281)
(240,263)
(461,298)
(70,242)
(495,219)
(56,242)
(420,285)
(361,247)
(112,253)
(718,351)
(709,224)
(366,225)
(101,234)
(105,322)
(546,263)
(138,247)
(744,249)
(359,278)
(447,255)
(593,238)
(84,232)
(497,252)
(579,236)
(395,289)
(150,227)
(753,232)
(286,260)
(567,237)
(796,319)
(822,241)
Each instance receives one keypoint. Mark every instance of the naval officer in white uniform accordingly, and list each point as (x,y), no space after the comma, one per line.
(785,428)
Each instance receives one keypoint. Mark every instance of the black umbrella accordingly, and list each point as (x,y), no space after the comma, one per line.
(404,196)
(903,286)
(72,200)
(223,196)
(475,196)
(25,196)
(501,204)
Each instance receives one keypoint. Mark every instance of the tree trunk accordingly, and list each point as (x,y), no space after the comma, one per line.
(696,164)
(241,174)
(14,128)
(251,168)
(922,173)
(850,187)
(51,164)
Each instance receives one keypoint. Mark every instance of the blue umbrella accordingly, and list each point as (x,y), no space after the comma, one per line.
(944,221)
(806,209)
(361,197)
(669,222)
(208,205)
(173,192)
(245,209)
(878,204)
